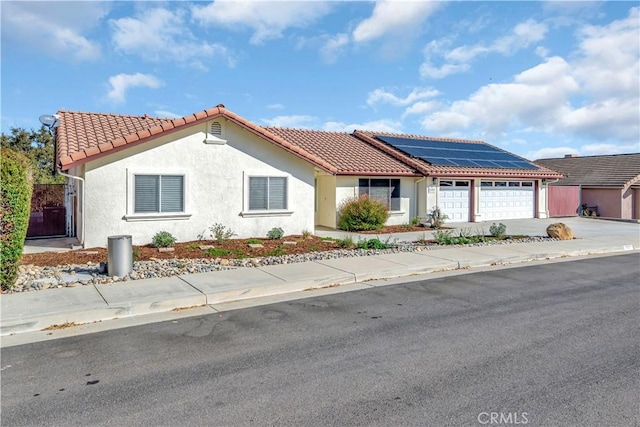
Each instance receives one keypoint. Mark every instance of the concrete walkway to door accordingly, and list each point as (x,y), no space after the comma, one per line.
(53,244)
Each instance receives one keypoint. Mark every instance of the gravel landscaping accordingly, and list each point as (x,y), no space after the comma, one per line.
(33,277)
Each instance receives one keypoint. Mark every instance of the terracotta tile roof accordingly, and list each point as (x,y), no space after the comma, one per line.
(349,155)
(82,136)
(618,170)
(445,171)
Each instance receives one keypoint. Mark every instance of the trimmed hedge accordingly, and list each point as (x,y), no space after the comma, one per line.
(362,213)
(16,185)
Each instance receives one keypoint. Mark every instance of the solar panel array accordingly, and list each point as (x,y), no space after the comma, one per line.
(447,153)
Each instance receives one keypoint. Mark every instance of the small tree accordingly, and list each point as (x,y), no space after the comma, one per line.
(362,213)
(15,204)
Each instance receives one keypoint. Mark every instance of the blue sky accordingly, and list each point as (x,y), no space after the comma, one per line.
(540,79)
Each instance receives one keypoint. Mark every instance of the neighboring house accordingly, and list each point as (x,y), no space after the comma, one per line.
(139,175)
(610,183)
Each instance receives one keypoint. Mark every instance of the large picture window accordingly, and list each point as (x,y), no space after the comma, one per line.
(386,191)
(158,193)
(267,193)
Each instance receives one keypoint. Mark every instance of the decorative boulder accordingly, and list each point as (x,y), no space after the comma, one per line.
(560,231)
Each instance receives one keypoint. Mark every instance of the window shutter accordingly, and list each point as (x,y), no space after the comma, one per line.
(278,193)
(257,193)
(172,196)
(146,193)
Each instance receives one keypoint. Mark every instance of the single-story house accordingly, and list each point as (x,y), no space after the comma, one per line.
(138,175)
(608,185)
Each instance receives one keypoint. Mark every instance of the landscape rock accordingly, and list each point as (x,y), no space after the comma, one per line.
(560,231)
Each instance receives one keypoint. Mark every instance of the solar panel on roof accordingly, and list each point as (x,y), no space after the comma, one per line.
(449,153)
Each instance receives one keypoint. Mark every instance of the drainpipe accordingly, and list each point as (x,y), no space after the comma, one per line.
(415,195)
(82,204)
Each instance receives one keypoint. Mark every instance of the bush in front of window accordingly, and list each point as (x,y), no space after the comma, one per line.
(163,239)
(275,233)
(361,214)
(15,206)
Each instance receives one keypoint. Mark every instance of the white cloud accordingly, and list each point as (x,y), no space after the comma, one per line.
(536,98)
(594,95)
(121,83)
(55,28)
(275,107)
(163,35)
(457,60)
(295,121)
(394,18)
(384,96)
(550,153)
(334,47)
(267,19)
(166,114)
(384,125)
(422,107)
(394,24)
(609,59)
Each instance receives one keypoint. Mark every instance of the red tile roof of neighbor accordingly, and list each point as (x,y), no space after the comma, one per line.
(82,137)
(616,170)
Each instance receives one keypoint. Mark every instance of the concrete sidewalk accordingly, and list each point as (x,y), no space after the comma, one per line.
(33,311)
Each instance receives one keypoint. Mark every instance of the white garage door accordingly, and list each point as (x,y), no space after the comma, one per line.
(454,200)
(506,200)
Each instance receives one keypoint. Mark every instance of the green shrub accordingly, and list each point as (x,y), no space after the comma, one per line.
(345,242)
(444,237)
(498,230)
(15,206)
(374,243)
(163,239)
(221,233)
(217,252)
(254,242)
(306,234)
(415,221)
(275,233)
(362,213)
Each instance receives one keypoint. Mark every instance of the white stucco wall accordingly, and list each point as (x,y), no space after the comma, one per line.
(347,187)
(215,183)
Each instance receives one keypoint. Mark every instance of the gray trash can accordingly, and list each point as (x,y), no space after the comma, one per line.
(119,255)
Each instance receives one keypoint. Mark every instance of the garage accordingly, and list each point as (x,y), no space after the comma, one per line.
(507,200)
(454,200)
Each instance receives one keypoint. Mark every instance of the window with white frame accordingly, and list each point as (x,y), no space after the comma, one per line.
(267,193)
(158,194)
(384,190)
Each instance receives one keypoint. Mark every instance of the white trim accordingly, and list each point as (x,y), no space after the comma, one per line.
(246,212)
(131,215)
(156,217)
(249,214)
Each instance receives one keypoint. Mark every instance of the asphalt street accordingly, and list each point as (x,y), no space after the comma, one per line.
(552,345)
